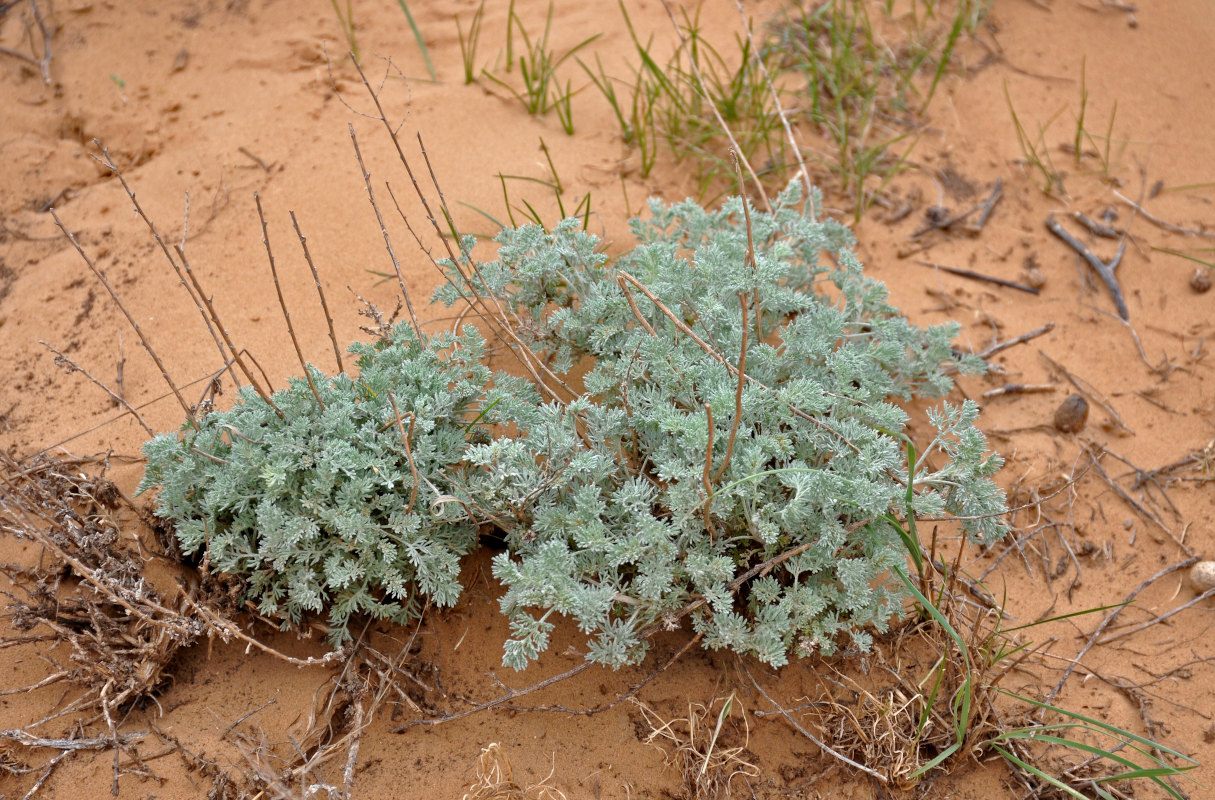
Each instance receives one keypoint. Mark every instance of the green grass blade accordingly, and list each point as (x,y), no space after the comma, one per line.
(481,416)
(1052,780)
(1058,617)
(1105,726)
(1187,257)
(955,32)
(417,35)
(483,213)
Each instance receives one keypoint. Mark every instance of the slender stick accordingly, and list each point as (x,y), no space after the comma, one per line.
(27,739)
(396,265)
(1086,388)
(1025,337)
(821,744)
(759,317)
(708,483)
(511,694)
(1158,618)
(45,62)
(164,372)
(1020,388)
(1104,271)
(337,352)
(645,323)
(150,401)
(1105,623)
(784,117)
(109,164)
(236,354)
(531,362)
(405,438)
(226,629)
(733,586)
(15,54)
(738,391)
(282,303)
(1159,223)
(498,323)
(687,331)
(978,276)
(72,366)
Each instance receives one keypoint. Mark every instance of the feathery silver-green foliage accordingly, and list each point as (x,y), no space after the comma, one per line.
(622,510)
(313,509)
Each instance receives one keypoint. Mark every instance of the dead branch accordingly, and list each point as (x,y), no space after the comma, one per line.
(1019,388)
(1025,337)
(282,303)
(337,351)
(396,265)
(236,353)
(109,164)
(1159,223)
(497,701)
(164,372)
(978,276)
(821,744)
(1109,619)
(1104,271)
(23,737)
(72,366)
(1087,389)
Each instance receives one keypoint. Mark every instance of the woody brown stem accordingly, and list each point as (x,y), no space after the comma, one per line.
(164,372)
(282,303)
(236,355)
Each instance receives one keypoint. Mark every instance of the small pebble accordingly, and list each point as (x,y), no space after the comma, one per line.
(1202,576)
(1034,278)
(1201,280)
(1071,414)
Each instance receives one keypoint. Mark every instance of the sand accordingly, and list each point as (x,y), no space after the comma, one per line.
(218,101)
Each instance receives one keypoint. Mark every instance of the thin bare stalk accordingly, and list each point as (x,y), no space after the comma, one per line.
(759,317)
(500,329)
(164,372)
(738,392)
(708,482)
(282,303)
(337,351)
(405,439)
(700,81)
(45,62)
(821,744)
(636,311)
(784,119)
(72,366)
(396,265)
(109,164)
(236,354)
(226,629)
(683,327)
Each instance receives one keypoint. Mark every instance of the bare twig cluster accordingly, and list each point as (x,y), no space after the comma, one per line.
(115,631)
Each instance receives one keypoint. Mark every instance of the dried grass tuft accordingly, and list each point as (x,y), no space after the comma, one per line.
(708,766)
(495,780)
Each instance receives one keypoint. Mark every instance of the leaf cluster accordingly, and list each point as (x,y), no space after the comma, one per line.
(341,508)
(733,452)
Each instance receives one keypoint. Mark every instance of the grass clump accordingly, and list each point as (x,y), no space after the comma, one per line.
(734,455)
(542,91)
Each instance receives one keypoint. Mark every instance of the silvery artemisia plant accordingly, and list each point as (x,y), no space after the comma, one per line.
(318,509)
(650,494)
(773,514)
